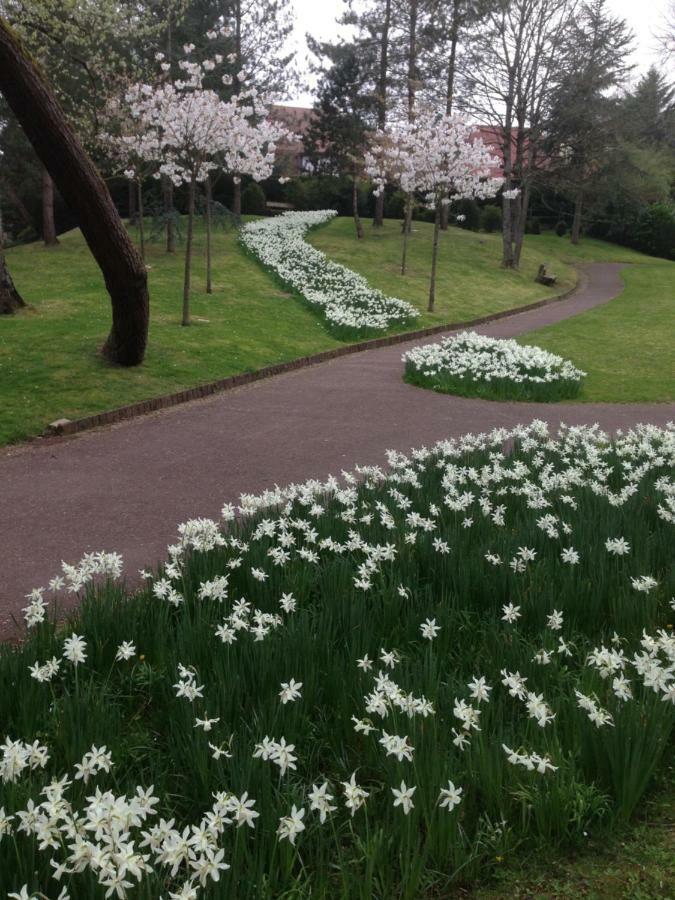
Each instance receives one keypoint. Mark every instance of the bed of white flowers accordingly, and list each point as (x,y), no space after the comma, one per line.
(473,365)
(365,688)
(352,307)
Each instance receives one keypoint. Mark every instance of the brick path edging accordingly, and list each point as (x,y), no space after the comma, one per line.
(166,401)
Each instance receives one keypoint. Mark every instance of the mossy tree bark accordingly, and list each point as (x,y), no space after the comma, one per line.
(81,186)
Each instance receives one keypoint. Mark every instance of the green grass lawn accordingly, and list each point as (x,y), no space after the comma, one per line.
(626,346)
(49,367)
(470,281)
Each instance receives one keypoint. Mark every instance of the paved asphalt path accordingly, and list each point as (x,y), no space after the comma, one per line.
(125,488)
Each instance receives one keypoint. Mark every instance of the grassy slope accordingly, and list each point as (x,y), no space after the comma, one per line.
(470,282)
(48,362)
(627,346)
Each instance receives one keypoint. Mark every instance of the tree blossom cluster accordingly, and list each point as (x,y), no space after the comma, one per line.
(185,130)
(346,299)
(554,669)
(478,359)
(437,155)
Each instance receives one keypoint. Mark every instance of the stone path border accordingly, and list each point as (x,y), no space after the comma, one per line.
(124,488)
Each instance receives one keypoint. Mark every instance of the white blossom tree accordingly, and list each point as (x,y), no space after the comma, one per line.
(451,165)
(438,156)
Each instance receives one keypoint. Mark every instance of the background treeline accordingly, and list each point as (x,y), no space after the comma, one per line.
(593,144)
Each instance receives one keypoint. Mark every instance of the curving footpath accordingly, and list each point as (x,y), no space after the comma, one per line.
(126,487)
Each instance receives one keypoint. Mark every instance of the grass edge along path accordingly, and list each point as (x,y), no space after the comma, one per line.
(553,615)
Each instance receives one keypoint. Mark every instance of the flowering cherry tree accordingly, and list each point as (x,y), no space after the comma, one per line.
(437,156)
(392,160)
(185,131)
(132,145)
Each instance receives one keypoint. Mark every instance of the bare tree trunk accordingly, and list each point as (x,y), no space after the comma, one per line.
(450,90)
(207,216)
(141,223)
(434,258)
(168,216)
(578,213)
(10,298)
(445,215)
(412,58)
(407,221)
(48,227)
(355,208)
(188,254)
(522,221)
(236,202)
(378,221)
(82,187)
(132,202)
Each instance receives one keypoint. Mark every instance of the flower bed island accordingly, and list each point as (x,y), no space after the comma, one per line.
(473,365)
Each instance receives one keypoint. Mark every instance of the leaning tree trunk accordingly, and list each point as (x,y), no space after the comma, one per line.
(434,258)
(578,212)
(10,298)
(81,186)
(48,226)
(188,254)
(355,208)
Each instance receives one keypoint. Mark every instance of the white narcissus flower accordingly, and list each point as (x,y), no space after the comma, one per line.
(403,797)
(74,649)
(320,800)
(450,797)
(290,691)
(125,651)
(429,629)
(355,796)
(290,826)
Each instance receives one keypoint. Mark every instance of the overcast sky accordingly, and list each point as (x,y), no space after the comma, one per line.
(318,18)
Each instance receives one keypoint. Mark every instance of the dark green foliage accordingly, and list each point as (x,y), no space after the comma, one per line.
(655,230)
(533,226)
(471,210)
(253,200)
(491,219)
(561,229)
(394,205)
(338,136)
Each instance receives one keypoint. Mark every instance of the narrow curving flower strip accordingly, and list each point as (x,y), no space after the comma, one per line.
(350,305)
(471,364)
